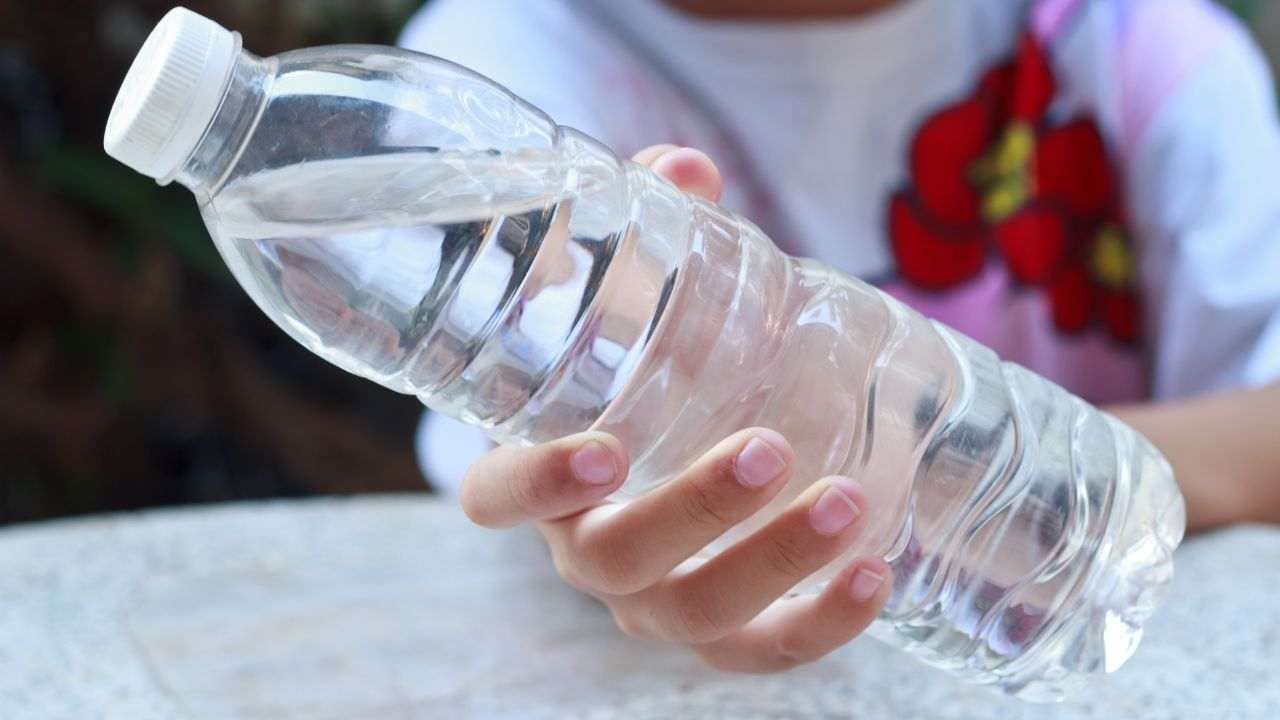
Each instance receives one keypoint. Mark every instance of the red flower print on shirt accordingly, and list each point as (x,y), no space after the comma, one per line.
(989,175)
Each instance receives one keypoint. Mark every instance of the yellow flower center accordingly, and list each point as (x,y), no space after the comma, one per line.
(1110,258)
(1004,173)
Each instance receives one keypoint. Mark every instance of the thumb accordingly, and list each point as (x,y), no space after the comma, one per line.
(690,170)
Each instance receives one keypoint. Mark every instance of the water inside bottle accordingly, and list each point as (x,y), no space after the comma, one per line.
(351,256)
(1005,506)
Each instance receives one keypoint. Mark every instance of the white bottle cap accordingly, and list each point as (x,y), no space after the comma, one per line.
(171,93)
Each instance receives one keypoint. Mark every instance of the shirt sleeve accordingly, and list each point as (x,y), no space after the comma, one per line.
(541,51)
(1204,190)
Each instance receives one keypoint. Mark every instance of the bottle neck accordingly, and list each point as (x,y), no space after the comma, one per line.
(237,115)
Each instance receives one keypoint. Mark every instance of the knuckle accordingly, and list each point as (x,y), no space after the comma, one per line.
(787,556)
(695,618)
(703,506)
(527,491)
(787,653)
(609,566)
(697,624)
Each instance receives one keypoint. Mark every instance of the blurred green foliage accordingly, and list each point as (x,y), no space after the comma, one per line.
(1248,10)
(133,203)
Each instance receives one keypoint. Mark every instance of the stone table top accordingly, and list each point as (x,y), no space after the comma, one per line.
(396,607)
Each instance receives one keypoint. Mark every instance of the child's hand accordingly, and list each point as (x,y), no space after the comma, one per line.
(633,557)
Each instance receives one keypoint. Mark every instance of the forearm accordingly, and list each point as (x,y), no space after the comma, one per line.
(1225,452)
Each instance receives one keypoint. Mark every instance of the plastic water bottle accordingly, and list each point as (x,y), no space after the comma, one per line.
(420,226)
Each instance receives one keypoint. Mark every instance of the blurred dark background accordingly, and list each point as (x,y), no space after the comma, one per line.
(133,370)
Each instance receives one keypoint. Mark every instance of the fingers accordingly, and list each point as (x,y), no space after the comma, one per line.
(801,630)
(690,170)
(618,551)
(636,556)
(653,152)
(724,593)
(508,486)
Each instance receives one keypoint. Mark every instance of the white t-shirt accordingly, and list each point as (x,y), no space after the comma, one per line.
(1130,248)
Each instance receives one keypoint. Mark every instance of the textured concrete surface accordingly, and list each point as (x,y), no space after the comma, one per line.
(395,607)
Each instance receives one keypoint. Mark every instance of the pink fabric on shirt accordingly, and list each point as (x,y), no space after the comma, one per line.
(1049,17)
(1160,42)
(1157,44)
(1017,326)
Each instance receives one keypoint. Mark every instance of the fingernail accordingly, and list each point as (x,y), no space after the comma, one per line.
(835,510)
(864,585)
(758,463)
(593,464)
